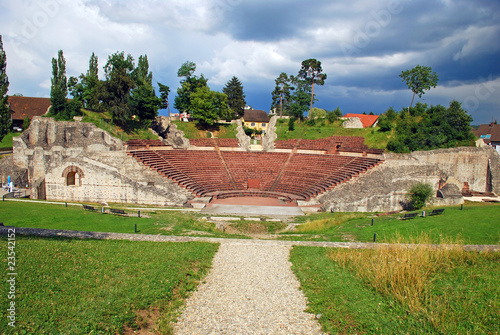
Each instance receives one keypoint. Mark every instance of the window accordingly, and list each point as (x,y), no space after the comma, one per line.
(488,136)
(264,125)
(71,178)
(482,136)
(252,124)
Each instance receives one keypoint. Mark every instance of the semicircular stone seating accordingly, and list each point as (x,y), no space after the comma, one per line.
(287,175)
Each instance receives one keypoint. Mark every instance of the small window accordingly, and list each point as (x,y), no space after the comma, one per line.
(482,136)
(488,136)
(71,179)
(264,125)
(252,124)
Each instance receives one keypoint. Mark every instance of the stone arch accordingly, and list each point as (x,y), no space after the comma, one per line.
(73,176)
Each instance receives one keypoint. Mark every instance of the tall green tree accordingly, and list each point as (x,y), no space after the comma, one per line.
(164,92)
(144,103)
(419,79)
(5,115)
(91,84)
(189,84)
(282,93)
(312,72)
(59,87)
(118,85)
(299,103)
(235,97)
(208,106)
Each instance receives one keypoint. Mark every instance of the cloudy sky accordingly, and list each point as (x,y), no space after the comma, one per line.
(363,45)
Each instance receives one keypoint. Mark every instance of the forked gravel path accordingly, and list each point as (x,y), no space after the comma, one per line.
(251,289)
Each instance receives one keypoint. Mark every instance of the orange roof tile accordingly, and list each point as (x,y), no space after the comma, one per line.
(366,120)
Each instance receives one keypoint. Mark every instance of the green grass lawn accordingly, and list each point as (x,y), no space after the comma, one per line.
(67,286)
(477,223)
(57,216)
(6,142)
(373,137)
(461,295)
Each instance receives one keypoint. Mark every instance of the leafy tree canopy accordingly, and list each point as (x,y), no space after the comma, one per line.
(419,79)
(282,93)
(208,106)
(312,72)
(434,127)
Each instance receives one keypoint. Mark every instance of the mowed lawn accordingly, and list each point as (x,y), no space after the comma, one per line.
(69,286)
(34,214)
(476,223)
(400,290)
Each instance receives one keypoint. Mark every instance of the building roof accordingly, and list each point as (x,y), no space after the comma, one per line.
(488,132)
(366,120)
(27,106)
(255,115)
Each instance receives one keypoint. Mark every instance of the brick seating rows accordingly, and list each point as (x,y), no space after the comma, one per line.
(203,142)
(142,144)
(204,173)
(199,171)
(309,175)
(263,166)
(211,142)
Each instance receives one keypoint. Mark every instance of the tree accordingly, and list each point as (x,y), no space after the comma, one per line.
(164,92)
(5,114)
(91,84)
(189,84)
(144,103)
(418,195)
(317,113)
(208,106)
(186,70)
(235,97)
(282,93)
(311,72)
(117,87)
(419,79)
(300,98)
(59,87)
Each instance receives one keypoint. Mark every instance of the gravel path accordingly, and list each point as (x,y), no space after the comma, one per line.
(251,289)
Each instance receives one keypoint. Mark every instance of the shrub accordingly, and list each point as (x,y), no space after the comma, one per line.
(291,124)
(419,194)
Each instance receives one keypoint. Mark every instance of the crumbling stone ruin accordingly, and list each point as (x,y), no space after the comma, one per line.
(76,161)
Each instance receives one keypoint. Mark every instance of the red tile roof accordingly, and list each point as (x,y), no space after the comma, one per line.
(26,106)
(366,120)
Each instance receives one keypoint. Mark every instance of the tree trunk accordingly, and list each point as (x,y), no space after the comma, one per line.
(411,105)
(312,99)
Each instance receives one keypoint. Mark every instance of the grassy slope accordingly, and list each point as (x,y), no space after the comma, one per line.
(193,131)
(373,137)
(460,295)
(49,216)
(81,287)
(6,142)
(103,121)
(477,223)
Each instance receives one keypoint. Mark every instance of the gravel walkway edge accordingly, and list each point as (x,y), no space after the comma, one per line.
(164,238)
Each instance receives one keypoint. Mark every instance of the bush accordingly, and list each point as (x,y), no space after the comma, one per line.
(419,194)
(291,124)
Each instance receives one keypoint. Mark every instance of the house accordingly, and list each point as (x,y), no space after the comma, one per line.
(490,134)
(359,120)
(256,119)
(26,106)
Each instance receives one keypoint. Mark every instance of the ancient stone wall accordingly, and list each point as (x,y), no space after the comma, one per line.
(48,148)
(384,188)
(270,137)
(113,177)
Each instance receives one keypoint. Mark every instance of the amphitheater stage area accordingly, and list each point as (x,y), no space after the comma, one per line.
(252,206)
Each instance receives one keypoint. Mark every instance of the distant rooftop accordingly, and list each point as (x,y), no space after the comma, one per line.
(366,120)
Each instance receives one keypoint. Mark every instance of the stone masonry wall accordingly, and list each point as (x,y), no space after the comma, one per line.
(384,187)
